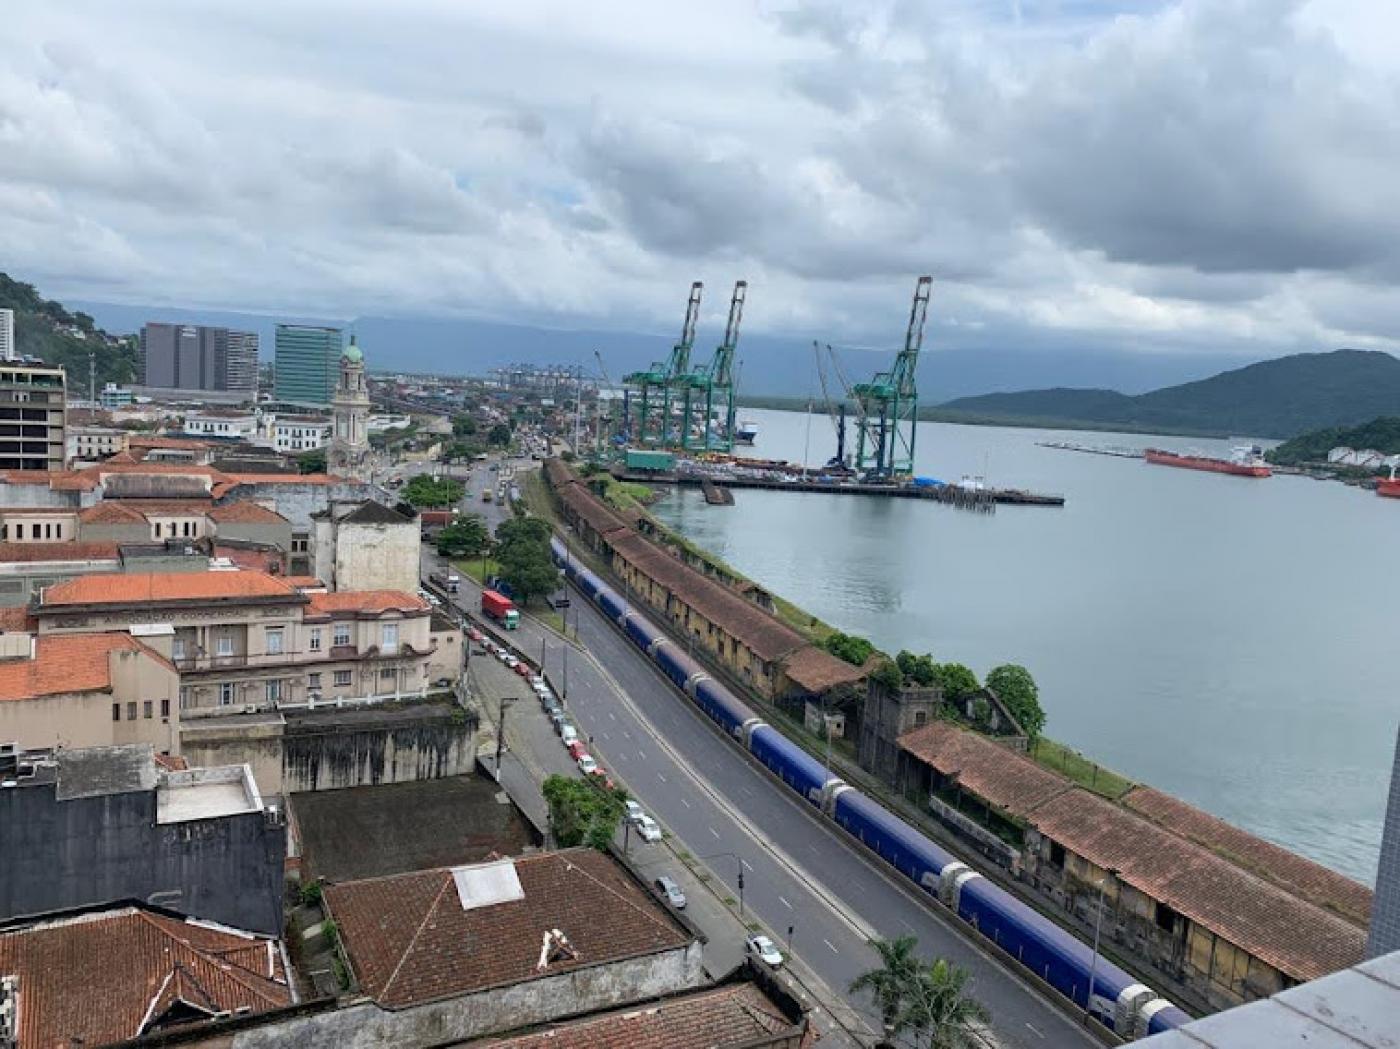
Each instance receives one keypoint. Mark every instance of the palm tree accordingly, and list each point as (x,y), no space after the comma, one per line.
(892,984)
(940,1011)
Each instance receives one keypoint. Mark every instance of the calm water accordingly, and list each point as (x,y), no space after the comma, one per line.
(1225,639)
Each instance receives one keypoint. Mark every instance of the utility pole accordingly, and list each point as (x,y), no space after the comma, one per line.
(92,378)
(1094,962)
(501,732)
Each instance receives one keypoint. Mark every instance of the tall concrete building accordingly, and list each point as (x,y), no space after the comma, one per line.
(349,451)
(195,357)
(7,335)
(308,364)
(33,399)
(1385,907)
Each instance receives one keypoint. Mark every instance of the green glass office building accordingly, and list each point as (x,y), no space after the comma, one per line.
(308,363)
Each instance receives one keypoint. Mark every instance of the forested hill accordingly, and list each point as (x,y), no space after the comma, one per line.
(46,330)
(1278,398)
(1381,435)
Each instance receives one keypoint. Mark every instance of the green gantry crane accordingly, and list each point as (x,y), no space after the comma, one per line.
(650,392)
(887,407)
(711,385)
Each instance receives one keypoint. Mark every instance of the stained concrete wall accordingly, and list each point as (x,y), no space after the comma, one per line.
(91,850)
(604,986)
(332,749)
(377,557)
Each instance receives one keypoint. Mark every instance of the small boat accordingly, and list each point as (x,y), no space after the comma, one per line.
(746,432)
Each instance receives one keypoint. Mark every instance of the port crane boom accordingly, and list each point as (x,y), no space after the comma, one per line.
(887,407)
(713,384)
(657,383)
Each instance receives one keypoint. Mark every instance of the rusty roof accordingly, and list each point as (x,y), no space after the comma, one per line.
(410,940)
(735,1015)
(1012,783)
(99,978)
(146,588)
(816,670)
(11,553)
(1300,876)
(364,602)
(245,511)
(1301,940)
(68,663)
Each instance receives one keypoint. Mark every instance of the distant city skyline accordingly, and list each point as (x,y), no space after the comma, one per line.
(559,167)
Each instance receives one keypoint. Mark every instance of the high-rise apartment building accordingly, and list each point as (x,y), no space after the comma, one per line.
(7,335)
(195,357)
(308,364)
(32,403)
(1385,906)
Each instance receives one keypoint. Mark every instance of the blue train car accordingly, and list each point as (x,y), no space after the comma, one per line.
(676,664)
(793,765)
(891,838)
(722,706)
(611,603)
(642,633)
(1166,1019)
(587,582)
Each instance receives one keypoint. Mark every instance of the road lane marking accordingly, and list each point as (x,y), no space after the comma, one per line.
(685,803)
(747,864)
(714,832)
(612,716)
(1034,1031)
(661,776)
(832,946)
(785,903)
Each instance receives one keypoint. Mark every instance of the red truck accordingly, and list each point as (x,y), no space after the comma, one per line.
(500,608)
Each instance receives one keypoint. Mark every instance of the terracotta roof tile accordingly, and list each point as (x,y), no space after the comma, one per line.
(733,1016)
(371,602)
(1298,875)
(815,670)
(305,582)
(152,587)
(119,511)
(245,512)
(64,663)
(1299,939)
(1014,784)
(410,940)
(103,978)
(316,479)
(188,444)
(16,552)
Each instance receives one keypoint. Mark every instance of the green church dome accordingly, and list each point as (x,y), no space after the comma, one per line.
(352,352)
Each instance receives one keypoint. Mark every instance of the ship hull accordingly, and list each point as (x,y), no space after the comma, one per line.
(1201,462)
(1389,488)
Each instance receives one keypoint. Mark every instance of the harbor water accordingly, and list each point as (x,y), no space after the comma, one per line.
(1223,638)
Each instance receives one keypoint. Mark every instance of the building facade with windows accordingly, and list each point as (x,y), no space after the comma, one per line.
(196,357)
(33,403)
(308,364)
(297,433)
(7,335)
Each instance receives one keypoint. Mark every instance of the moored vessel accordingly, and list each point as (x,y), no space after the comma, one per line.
(1243,462)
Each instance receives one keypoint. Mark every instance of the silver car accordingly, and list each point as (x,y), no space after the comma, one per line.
(671,892)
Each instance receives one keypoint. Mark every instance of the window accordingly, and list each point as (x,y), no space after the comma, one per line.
(274,691)
(342,634)
(225,645)
(314,644)
(387,674)
(225,693)
(342,678)
(313,680)
(131,711)
(177,648)
(274,640)
(389,637)
(184,697)
(34,529)
(165,708)
(116,711)
(920,716)
(147,709)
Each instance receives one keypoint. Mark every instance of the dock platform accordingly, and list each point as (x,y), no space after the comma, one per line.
(949,494)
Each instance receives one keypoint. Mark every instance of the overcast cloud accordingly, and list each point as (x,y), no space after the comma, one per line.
(1160,176)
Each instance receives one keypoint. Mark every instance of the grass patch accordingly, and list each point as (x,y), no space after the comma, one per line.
(625,495)
(1088,774)
(730,901)
(552,619)
(473,568)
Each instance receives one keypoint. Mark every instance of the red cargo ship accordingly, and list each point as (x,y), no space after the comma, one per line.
(1243,462)
(1389,485)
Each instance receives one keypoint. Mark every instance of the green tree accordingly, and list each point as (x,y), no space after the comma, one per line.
(939,1013)
(892,985)
(463,426)
(465,537)
(1016,688)
(854,650)
(312,462)
(527,565)
(424,490)
(955,680)
(920,670)
(459,451)
(499,435)
(583,812)
(889,675)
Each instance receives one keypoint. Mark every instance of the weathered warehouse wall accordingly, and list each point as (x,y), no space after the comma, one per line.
(333,749)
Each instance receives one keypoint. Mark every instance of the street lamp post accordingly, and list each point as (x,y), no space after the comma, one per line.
(1094,961)
(501,731)
(737,859)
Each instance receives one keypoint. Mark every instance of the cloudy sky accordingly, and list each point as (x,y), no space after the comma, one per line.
(1161,176)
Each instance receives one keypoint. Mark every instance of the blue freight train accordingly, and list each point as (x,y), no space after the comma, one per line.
(1057,958)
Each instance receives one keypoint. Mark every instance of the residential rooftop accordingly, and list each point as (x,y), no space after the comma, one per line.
(206,793)
(152,587)
(430,935)
(60,664)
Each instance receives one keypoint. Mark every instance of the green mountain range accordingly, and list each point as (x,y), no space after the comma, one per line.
(46,330)
(1277,398)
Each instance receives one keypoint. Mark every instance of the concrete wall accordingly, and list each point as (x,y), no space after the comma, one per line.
(252,740)
(298,501)
(605,986)
(885,717)
(377,557)
(267,533)
(329,750)
(83,851)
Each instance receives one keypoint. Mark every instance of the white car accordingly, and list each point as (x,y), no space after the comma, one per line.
(511,661)
(503,655)
(647,828)
(634,811)
(762,948)
(538,682)
(587,765)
